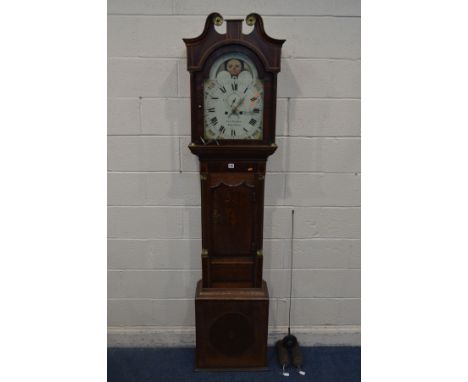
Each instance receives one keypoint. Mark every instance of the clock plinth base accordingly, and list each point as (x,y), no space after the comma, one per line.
(231,328)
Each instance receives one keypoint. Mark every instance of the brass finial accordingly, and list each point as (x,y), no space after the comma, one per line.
(250,19)
(218,19)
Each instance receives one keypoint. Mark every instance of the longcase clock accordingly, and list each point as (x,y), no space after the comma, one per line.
(233,104)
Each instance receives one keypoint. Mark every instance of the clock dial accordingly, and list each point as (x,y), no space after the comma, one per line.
(233,100)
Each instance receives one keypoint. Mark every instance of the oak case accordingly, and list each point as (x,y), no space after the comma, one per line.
(232,298)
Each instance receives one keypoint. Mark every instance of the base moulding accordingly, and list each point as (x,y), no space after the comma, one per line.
(184,336)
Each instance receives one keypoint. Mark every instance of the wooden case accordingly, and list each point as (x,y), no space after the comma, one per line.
(232,299)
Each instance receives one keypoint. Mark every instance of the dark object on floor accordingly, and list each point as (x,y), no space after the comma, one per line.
(323,364)
(288,349)
(296,357)
(283,355)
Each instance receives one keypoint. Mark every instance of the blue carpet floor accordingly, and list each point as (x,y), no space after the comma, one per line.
(322,364)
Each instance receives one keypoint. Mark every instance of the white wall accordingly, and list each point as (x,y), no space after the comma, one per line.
(153,186)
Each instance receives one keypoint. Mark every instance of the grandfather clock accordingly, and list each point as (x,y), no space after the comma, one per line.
(233,103)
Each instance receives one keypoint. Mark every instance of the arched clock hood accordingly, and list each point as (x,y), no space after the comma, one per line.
(264,51)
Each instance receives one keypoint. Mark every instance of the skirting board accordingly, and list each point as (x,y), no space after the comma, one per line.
(184,336)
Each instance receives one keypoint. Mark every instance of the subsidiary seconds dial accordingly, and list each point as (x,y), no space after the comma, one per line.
(233,101)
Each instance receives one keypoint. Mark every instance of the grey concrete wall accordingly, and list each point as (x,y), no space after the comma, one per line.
(153,187)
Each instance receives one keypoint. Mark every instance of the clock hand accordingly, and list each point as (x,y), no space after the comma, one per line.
(234,109)
(241,100)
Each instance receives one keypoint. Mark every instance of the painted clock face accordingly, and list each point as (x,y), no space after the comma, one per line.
(233,99)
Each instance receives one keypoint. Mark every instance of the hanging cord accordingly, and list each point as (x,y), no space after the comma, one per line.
(289,342)
(291,270)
